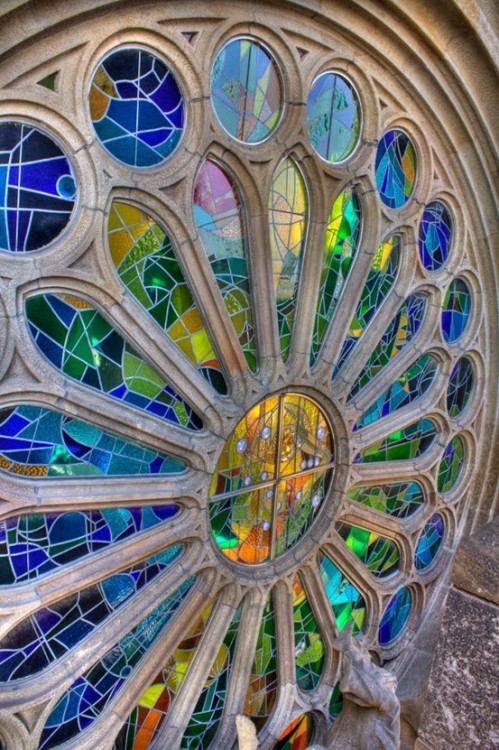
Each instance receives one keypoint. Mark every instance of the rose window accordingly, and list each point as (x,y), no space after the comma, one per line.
(249,423)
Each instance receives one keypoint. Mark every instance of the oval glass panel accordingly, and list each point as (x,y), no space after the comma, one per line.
(456,310)
(396,168)
(461,385)
(435,235)
(451,465)
(429,542)
(333,117)
(396,616)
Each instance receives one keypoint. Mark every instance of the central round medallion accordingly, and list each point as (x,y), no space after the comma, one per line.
(272,476)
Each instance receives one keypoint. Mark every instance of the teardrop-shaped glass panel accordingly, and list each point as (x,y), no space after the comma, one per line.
(39,442)
(402,445)
(288,221)
(262,689)
(219,218)
(400,499)
(402,330)
(49,633)
(346,601)
(309,648)
(79,342)
(381,278)
(406,389)
(342,240)
(379,555)
(146,263)
(91,693)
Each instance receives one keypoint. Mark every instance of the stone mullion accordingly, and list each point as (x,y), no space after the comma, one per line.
(172,731)
(241,668)
(26,598)
(61,674)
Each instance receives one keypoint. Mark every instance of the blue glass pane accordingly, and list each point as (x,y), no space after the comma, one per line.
(429,542)
(396,168)
(456,311)
(435,235)
(333,117)
(346,600)
(461,384)
(396,616)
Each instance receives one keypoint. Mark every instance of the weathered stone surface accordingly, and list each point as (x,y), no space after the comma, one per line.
(476,566)
(461,710)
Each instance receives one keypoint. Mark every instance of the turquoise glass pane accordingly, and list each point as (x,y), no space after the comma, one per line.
(435,235)
(401,445)
(400,499)
(378,554)
(137,108)
(429,542)
(246,90)
(81,343)
(396,616)
(37,188)
(455,311)
(396,168)
(333,117)
(461,385)
(91,693)
(39,442)
(347,603)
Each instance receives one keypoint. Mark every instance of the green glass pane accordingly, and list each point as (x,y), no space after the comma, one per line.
(262,689)
(288,219)
(81,343)
(346,601)
(451,465)
(408,443)
(379,555)
(147,265)
(342,238)
(400,499)
(219,218)
(309,648)
(336,702)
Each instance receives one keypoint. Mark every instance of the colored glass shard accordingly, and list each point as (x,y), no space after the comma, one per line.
(37,188)
(333,117)
(271,478)
(396,616)
(456,310)
(49,82)
(309,648)
(146,262)
(81,343)
(49,633)
(396,168)
(219,218)
(379,555)
(429,542)
(336,702)
(246,90)
(461,385)
(400,332)
(262,688)
(435,235)
(147,718)
(35,543)
(91,693)
(298,735)
(400,499)
(451,465)
(39,442)
(342,239)
(406,389)
(288,219)
(403,445)
(137,108)
(381,278)
(208,711)
(346,601)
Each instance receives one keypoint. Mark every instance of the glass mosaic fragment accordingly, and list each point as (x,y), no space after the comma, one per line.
(91,693)
(435,235)
(219,218)
(342,239)
(146,262)
(79,342)
(429,542)
(262,688)
(37,188)
(335,702)
(136,107)
(455,310)
(309,647)
(396,616)
(288,220)
(246,90)
(461,385)
(400,499)
(396,168)
(402,445)
(48,634)
(346,601)
(451,465)
(333,117)
(298,735)
(39,442)
(378,554)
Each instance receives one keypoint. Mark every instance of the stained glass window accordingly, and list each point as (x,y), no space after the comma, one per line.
(333,117)
(456,310)
(396,168)
(435,235)
(396,616)
(429,542)
(262,688)
(379,555)
(309,648)
(137,108)
(346,601)
(461,384)
(246,90)
(38,188)
(451,465)
(400,499)
(408,443)
(299,734)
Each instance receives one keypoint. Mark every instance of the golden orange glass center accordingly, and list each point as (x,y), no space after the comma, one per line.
(271,478)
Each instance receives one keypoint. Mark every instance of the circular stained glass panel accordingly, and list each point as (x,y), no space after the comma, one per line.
(333,117)
(456,311)
(137,108)
(246,91)
(396,168)
(38,188)
(435,235)
(429,542)
(396,616)
(461,384)
(271,478)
